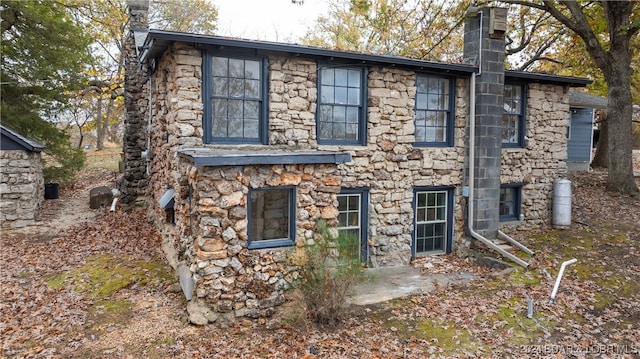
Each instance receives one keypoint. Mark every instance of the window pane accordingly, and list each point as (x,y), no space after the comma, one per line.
(354,96)
(220,65)
(342,219)
(235,127)
(351,132)
(354,203)
(324,130)
(354,219)
(326,94)
(252,70)
(236,88)
(422,199)
(219,108)
(236,68)
(327,76)
(220,86)
(421,101)
(252,88)
(354,78)
(339,114)
(341,95)
(338,132)
(251,128)
(251,109)
(326,113)
(341,77)
(269,214)
(342,202)
(352,115)
(235,109)
(421,84)
(219,127)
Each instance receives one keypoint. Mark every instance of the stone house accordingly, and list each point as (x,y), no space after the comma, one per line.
(250,143)
(21,179)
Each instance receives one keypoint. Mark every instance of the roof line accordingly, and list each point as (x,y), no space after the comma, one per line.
(28,143)
(296,49)
(157,40)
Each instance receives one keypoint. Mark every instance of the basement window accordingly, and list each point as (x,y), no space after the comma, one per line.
(433,220)
(271,217)
(510,202)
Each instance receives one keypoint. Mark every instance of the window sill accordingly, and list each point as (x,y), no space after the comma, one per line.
(271,244)
(514,149)
(239,157)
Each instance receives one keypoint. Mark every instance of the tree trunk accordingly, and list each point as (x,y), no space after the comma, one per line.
(100,125)
(601,159)
(620,126)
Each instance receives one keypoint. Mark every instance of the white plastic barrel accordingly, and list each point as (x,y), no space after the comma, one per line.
(562,202)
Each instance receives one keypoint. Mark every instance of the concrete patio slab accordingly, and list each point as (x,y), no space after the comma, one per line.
(387,283)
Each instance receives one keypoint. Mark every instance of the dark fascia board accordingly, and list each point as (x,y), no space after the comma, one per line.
(210,157)
(158,40)
(26,143)
(547,78)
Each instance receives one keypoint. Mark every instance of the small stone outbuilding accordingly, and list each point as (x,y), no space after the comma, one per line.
(22,182)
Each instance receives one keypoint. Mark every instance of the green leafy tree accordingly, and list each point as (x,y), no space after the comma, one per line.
(425,29)
(194,16)
(43,55)
(104,90)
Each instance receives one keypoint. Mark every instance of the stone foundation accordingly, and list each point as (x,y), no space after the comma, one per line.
(21,187)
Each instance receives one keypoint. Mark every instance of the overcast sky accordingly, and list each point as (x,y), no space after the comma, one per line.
(270,20)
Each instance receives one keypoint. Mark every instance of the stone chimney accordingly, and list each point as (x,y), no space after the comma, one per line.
(134,183)
(484,46)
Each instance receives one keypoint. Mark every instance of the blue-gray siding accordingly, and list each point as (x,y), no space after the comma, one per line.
(579,144)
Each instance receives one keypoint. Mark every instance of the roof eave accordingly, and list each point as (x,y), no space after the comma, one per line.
(548,78)
(158,40)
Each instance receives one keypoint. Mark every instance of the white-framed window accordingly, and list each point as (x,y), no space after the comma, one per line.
(353,217)
(432,220)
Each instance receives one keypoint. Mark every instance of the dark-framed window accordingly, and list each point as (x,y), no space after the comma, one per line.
(353,218)
(342,105)
(235,98)
(434,110)
(433,220)
(513,115)
(510,201)
(271,217)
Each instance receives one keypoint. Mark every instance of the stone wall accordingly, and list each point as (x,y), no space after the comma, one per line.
(391,166)
(209,237)
(544,157)
(21,187)
(232,280)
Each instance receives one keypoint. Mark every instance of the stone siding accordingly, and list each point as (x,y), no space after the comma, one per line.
(230,279)
(21,187)
(544,158)
(210,237)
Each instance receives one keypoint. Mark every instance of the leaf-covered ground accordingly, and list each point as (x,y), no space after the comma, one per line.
(100,287)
